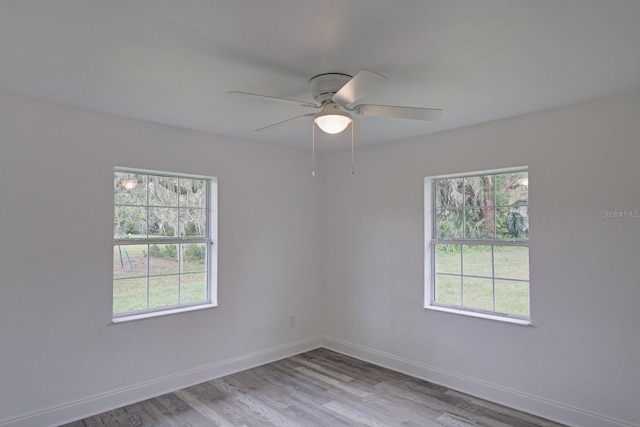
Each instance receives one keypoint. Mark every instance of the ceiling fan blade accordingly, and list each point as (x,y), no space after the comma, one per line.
(273,98)
(413,113)
(285,122)
(361,84)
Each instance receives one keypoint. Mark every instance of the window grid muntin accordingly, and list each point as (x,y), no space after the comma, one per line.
(145,173)
(177,240)
(463,208)
(179,277)
(493,242)
(462,275)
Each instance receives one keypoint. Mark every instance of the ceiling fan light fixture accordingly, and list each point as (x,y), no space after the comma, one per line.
(332,122)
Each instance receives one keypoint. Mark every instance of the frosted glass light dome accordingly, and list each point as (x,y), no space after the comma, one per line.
(332,122)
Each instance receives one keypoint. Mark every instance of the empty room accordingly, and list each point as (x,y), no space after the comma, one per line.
(330,212)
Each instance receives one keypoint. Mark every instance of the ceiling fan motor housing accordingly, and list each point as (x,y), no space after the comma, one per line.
(324,86)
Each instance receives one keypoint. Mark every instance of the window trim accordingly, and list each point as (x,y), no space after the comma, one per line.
(211,214)
(431,240)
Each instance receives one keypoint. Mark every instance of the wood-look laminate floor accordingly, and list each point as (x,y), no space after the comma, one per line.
(317,388)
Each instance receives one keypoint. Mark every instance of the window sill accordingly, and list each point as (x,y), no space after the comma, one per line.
(513,320)
(141,316)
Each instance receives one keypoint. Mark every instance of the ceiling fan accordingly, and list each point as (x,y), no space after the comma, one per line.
(336,94)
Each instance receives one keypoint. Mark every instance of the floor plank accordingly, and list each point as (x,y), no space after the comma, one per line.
(317,388)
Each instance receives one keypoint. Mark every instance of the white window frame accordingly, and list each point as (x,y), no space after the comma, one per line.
(431,240)
(210,239)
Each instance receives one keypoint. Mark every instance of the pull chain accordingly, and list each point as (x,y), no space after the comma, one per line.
(313,149)
(352,168)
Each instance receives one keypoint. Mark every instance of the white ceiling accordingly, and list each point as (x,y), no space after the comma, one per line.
(173,61)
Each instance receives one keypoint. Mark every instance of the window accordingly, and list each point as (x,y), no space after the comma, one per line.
(477,235)
(163,234)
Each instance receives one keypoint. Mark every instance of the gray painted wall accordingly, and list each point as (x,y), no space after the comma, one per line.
(584,346)
(58,346)
(289,242)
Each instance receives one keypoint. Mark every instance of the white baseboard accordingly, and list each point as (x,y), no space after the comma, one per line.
(535,405)
(92,405)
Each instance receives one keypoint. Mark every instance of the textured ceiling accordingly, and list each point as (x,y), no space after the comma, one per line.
(173,61)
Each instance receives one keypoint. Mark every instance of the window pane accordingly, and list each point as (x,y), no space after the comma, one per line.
(193,287)
(513,223)
(163,222)
(129,221)
(449,223)
(193,193)
(477,260)
(479,191)
(129,189)
(477,293)
(512,297)
(448,289)
(163,291)
(129,261)
(512,262)
(194,256)
(479,223)
(512,189)
(129,294)
(449,193)
(448,259)
(163,259)
(163,191)
(193,222)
